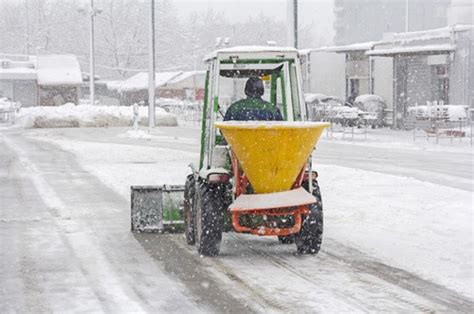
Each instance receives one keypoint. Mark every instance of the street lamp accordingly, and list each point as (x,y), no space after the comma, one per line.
(151,69)
(91,12)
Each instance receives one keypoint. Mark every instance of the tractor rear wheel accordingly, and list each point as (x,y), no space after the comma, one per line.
(209,218)
(188,213)
(308,240)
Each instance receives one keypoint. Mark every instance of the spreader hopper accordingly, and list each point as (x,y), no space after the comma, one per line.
(272,153)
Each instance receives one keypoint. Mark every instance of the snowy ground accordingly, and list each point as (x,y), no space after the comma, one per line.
(392,241)
(405,222)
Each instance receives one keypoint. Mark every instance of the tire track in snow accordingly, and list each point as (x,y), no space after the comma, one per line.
(375,275)
(219,269)
(362,303)
(452,300)
(279,262)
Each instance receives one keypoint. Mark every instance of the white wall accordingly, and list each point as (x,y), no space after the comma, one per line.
(328,74)
(461,12)
(383,79)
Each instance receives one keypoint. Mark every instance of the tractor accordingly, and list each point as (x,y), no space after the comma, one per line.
(254,177)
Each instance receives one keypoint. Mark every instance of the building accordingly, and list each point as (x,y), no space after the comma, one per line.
(358,71)
(405,69)
(366,20)
(180,85)
(19,81)
(45,80)
(323,72)
(434,65)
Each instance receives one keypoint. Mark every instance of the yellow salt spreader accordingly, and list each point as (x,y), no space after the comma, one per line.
(254,177)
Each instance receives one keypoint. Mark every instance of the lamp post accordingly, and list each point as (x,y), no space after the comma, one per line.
(151,71)
(292,20)
(406,16)
(91,55)
(91,13)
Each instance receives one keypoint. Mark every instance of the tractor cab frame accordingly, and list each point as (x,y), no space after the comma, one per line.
(282,72)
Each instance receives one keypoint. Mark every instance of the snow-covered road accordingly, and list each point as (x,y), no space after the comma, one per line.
(66,243)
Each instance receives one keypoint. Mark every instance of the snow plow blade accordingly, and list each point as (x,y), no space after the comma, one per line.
(157,208)
(272,154)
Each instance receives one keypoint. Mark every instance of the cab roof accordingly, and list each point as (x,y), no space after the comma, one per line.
(253,52)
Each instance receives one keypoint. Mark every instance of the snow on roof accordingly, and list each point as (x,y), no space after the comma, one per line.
(305,51)
(402,39)
(61,69)
(430,34)
(140,81)
(354,47)
(185,75)
(17,70)
(443,48)
(18,74)
(250,49)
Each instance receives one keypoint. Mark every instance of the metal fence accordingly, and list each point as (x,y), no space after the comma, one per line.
(8,110)
(187,113)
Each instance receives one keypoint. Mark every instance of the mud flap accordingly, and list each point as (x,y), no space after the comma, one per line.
(157,208)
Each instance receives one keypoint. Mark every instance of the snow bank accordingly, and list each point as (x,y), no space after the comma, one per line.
(70,115)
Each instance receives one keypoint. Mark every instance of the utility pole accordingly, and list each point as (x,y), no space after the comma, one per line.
(406,16)
(91,56)
(27,31)
(151,72)
(292,22)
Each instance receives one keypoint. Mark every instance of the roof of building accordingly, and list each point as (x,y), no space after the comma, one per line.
(428,35)
(140,80)
(351,48)
(185,75)
(58,69)
(427,41)
(17,70)
(434,41)
(428,49)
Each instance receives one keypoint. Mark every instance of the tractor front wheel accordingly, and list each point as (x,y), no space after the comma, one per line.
(188,213)
(209,218)
(308,240)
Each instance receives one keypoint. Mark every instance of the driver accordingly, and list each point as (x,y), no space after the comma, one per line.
(253,107)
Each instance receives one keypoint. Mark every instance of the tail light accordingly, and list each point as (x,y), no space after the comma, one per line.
(218,178)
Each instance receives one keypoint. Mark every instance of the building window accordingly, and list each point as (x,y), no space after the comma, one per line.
(441,82)
(354,87)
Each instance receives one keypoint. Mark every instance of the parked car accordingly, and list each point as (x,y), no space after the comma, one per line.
(331,108)
(372,107)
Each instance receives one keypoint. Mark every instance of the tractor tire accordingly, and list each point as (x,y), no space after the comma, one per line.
(188,213)
(309,239)
(209,218)
(286,239)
